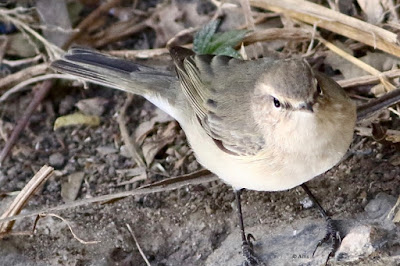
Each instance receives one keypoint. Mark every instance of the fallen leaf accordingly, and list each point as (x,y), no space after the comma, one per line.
(71,186)
(152,147)
(76,119)
(174,18)
(93,106)
(146,127)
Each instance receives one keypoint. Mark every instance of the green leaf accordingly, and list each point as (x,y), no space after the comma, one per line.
(207,41)
(204,36)
(228,39)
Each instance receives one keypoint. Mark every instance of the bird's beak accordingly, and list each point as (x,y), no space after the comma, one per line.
(308,106)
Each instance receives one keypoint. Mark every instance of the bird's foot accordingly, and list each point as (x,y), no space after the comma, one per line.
(248,252)
(332,235)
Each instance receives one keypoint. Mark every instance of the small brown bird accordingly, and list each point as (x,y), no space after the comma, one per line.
(262,124)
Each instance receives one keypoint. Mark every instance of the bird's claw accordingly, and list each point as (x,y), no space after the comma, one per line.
(248,252)
(332,234)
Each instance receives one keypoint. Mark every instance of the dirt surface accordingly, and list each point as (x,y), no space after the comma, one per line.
(181,227)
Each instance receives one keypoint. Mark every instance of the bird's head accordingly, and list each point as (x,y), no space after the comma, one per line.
(285,90)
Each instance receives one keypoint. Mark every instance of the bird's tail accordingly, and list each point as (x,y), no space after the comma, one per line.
(116,73)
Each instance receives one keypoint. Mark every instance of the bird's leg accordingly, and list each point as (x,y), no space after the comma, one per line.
(332,233)
(247,246)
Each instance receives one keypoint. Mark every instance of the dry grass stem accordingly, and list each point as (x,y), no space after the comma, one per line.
(179,182)
(175,40)
(20,86)
(39,94)
(366,110)
(137,245)
(119,31)
(15,63)
(368,80)
(89,20)
(359,63)
(334,21)
(257,47)
(396,112)
(394,213)
(23,197)
(172,180)
(70,228)
(277,34)
(130,143)
(364,66)
(23,74)
(12,16)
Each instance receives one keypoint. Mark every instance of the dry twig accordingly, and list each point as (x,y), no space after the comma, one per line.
(23,74)
(257,47)
(334,21)
(20,86)
(130,143)
(179,182)
(368,80)
(70,228)
(367,109)
(276,34)
(15,63)
(23,197)
(119,31)
(137,245)
(358,63)
(39,95)
(88,21)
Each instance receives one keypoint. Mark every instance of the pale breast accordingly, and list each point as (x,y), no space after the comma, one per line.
(277,167)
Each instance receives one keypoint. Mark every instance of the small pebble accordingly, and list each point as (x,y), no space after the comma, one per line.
(57,160)
(306,203)
(104,150)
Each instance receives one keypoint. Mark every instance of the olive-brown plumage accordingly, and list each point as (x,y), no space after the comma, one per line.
(261,124)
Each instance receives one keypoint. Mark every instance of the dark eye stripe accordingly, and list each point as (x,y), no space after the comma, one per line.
(287,106)
(279,104)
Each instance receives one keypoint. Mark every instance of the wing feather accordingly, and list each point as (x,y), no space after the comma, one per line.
(220,100)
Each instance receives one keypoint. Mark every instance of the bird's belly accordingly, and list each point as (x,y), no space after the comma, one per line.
(265,175)
(270,172)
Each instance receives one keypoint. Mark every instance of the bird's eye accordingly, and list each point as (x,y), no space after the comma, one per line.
(277,103)
(319,90)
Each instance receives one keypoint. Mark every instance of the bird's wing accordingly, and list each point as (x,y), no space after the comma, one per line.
(221,99)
